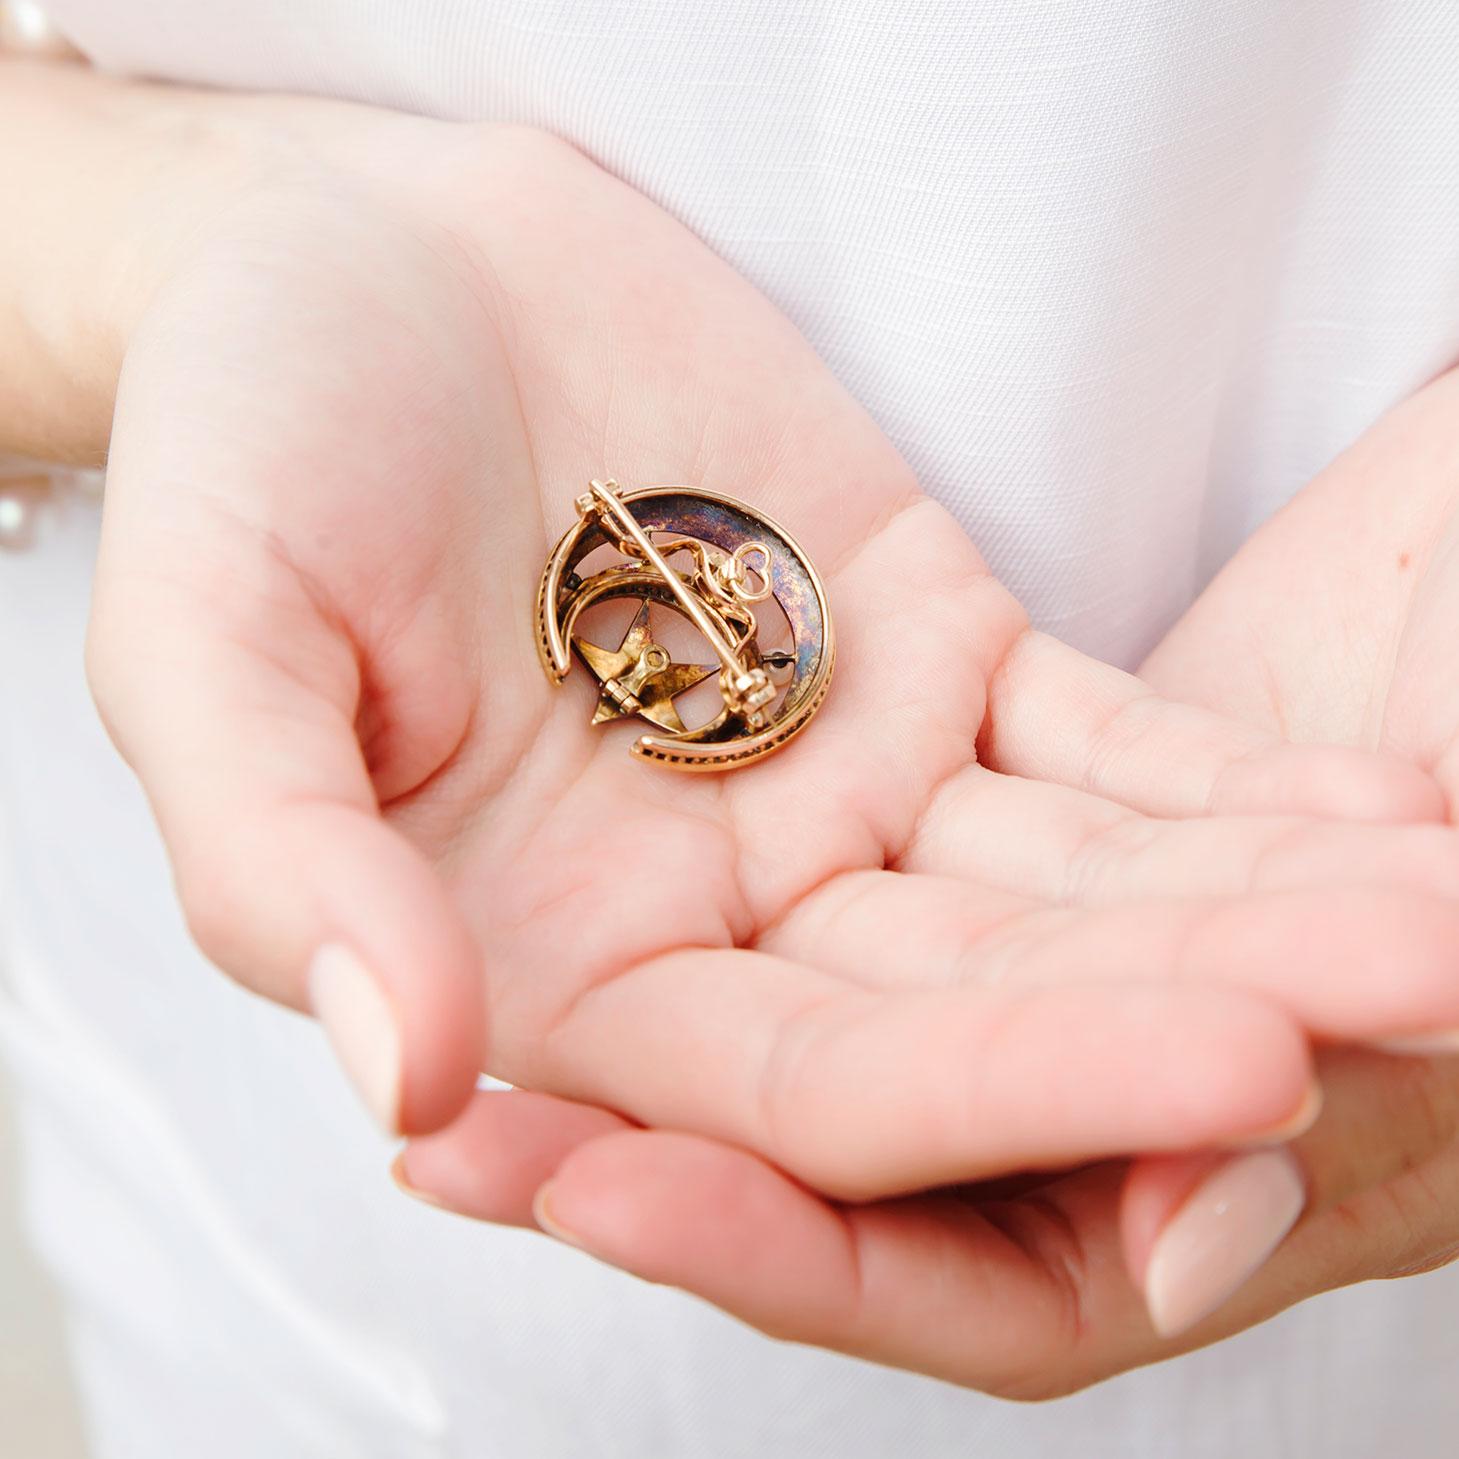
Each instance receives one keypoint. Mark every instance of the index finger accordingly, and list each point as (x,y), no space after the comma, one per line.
(864,1093)
(1055,714)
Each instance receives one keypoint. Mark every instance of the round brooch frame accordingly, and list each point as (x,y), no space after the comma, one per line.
(735,558)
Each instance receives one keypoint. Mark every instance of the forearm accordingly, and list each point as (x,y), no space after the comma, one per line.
(90,169)
(105,187)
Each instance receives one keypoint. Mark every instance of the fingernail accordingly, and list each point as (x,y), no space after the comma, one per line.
(1297,1123)
(1221,1236)
(360,1022)
(401,1178)
(543,1215)
(1423,1045)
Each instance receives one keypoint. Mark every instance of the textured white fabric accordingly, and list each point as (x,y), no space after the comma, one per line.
(1117,277)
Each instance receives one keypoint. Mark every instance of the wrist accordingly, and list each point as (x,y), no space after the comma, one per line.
(115,187)
(92,188)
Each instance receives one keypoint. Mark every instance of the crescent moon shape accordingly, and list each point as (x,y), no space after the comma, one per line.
(722,522)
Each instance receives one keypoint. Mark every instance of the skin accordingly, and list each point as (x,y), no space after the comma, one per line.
(362,363)
(312,626)
(1028,1292)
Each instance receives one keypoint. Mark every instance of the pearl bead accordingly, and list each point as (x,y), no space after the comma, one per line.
(25,26)
(17,526)
(22,498)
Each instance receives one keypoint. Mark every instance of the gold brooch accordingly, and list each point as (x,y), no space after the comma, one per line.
(719,564)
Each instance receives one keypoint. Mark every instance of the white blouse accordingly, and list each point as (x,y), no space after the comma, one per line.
(1117,276)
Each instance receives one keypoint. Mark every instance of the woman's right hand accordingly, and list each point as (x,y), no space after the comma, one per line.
(354,413)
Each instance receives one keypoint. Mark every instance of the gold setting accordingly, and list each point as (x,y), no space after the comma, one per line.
(736,558)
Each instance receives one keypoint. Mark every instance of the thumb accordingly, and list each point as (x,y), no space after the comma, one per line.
(234,698)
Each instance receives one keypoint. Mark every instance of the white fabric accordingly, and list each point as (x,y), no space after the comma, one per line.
(1117,277)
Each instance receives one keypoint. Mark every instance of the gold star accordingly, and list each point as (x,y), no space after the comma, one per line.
(639,677)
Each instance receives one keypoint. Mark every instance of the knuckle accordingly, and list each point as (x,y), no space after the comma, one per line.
(1045,1233)
(1418,1225)
(1108,848)
(780,1087)
(1410,1213)
(1121,730)
(1423,1103)
(1422,1263)
(1044,1230)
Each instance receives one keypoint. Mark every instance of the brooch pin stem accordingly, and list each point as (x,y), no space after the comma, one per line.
(608,504)
(716,594)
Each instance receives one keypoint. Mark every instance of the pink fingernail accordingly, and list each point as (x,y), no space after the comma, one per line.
(1423,1045)
(1221,1237)
(542,1213)
(401,1176)
(357,1016)
(1297,1123)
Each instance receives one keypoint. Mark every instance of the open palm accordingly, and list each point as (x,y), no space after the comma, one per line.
(348,429)
(1333,622)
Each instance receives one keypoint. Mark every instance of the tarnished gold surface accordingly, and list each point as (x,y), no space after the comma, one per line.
(736,559)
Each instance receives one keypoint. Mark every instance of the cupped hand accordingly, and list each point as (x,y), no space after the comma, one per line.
(351,420)
(1336,622)
(1039,1286)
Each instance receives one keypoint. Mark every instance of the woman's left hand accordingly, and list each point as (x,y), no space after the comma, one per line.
(1330,624)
